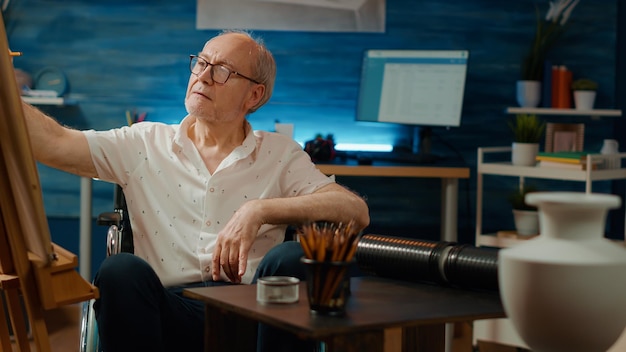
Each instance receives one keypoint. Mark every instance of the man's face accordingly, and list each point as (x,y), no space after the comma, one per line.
(214,102)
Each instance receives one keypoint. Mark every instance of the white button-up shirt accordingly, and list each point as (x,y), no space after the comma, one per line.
(177,207)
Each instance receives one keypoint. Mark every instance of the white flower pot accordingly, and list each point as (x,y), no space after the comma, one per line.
(526,222)
(528,93)
(584,99)
(565,289)
(524,154)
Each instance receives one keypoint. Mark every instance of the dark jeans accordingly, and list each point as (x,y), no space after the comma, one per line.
(136,313)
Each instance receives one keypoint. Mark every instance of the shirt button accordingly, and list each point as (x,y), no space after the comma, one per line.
(208,223)
(207,269)
(211,189)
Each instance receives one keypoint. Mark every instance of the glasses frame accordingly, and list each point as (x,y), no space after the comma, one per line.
(230,72)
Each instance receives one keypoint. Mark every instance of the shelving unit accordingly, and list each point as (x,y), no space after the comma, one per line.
(484,167)
(501,330)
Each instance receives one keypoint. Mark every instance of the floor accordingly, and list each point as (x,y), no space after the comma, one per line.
(63,329)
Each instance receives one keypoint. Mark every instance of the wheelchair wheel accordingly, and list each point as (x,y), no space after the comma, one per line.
(89,340)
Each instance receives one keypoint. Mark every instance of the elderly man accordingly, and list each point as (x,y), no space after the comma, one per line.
(209,199)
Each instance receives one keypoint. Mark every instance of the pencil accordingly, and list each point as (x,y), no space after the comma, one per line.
(15,53)
(128,118)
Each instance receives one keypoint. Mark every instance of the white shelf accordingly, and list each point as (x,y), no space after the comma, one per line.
(565,112)
(48,100)
(553,173)
(493,240)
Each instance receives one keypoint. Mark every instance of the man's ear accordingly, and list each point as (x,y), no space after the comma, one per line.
(256,95)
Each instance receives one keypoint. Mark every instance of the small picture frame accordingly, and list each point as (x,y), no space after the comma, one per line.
(564,137)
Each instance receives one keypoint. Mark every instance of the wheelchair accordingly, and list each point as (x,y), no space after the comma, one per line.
(119,239)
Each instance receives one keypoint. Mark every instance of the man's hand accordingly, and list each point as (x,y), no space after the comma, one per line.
(234,243)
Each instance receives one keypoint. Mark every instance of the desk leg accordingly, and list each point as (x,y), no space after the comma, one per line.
(449,209)
(369,341)
(224,331)
(424,338)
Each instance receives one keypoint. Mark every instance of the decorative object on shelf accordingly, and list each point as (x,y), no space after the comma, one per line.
(584,91)
(525,216)
(528,93)
(610,147)
(321,149)
(564,137)
(527,131)
(561,87)
(51,79)
(564,290)
(547,31)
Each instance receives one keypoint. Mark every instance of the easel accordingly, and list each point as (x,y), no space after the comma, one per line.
(32,268)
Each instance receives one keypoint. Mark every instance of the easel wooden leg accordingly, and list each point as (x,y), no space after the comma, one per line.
(17,320)
(5,338)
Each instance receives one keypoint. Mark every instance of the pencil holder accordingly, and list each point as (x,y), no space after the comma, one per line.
(328,286)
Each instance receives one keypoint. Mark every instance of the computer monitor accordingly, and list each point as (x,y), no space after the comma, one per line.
(420,88)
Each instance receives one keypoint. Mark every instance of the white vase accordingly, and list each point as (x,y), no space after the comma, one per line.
(528,93)
(584,99)
(524,154)
(610,147)
(565,290)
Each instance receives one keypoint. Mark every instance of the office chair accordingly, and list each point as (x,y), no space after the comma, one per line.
(119,239)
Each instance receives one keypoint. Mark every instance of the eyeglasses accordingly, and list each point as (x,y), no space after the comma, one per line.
(219,73)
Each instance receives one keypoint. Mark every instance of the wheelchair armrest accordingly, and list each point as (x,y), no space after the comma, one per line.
(109,218)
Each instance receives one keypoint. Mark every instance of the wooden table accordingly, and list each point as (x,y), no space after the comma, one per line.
(382,315)
(449,185)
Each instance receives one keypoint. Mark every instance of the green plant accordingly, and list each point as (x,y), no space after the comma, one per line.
(547,31)
(584,84)
(527,128)
(518,198)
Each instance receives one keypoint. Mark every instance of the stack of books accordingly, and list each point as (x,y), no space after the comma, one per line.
(566,160)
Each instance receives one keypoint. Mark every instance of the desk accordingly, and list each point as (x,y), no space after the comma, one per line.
(382,315)
(449,186)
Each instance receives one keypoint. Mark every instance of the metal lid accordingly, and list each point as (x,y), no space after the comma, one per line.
(278,280)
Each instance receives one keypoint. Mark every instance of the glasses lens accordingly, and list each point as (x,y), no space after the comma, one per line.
(220,74)
(197,65)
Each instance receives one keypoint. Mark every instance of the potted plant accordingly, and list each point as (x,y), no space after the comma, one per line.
(547,30)
(528,130)
(525,216)
(584,90)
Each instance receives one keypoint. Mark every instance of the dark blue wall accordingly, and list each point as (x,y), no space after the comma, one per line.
(133,54)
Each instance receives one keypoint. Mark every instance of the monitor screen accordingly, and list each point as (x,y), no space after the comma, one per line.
(413,87)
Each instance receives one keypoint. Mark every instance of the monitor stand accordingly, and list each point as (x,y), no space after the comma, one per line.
(422,142)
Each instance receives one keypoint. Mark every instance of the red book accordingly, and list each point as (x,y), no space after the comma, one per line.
(567,88)
(564,99)
(555,86)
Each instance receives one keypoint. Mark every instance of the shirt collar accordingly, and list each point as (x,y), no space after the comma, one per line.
(247,147)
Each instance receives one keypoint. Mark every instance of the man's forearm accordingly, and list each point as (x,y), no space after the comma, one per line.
(331,203)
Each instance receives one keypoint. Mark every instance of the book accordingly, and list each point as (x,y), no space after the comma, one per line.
(570,166)
(561,80)
(554,86)
(563,157)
